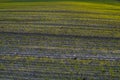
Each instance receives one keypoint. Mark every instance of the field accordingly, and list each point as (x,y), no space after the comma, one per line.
(59,40)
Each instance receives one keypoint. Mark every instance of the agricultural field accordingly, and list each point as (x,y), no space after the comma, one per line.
(59,40)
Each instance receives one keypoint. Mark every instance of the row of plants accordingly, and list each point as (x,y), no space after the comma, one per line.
(55,68)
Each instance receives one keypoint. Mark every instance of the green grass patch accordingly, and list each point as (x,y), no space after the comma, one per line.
(89,19)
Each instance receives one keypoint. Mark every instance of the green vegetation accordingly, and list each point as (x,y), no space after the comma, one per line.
(60,39)
(102,1)
(89,19)
(64,69)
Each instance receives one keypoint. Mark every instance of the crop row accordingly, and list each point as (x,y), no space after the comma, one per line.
(33,67)
(57,42)
(59,46)
(57,23)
